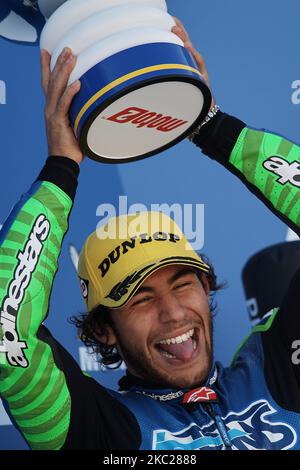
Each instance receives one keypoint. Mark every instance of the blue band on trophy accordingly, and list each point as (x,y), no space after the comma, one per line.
(138,64)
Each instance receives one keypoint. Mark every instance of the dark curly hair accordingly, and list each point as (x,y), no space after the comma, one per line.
(99,318)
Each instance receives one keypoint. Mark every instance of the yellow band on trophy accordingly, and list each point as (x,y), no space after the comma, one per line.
(125,78)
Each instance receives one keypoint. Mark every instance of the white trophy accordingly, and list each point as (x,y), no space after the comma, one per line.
(141,91)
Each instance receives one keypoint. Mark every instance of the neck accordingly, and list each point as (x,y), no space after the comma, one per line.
(131,381)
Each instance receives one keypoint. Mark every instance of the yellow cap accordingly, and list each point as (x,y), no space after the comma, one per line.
(120,255)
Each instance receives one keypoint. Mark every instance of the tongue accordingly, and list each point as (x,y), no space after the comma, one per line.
(182,351)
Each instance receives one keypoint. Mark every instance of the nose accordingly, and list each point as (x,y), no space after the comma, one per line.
(170,309)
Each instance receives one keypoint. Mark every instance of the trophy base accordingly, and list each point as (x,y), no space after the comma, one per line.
(142,112)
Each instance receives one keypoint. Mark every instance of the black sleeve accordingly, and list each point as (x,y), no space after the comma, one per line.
(63,172)
(98,420)
(266,163)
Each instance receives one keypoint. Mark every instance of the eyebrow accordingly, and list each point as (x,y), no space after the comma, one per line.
(181,273)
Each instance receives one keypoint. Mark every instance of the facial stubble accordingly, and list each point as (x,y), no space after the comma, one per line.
(141,364)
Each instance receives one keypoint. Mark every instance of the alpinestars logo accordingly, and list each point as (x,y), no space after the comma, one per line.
(201,394)
(144,118)
(28,260)
(287,172)
(255,428)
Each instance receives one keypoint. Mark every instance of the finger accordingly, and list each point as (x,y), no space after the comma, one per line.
(180,30)
(66,99)
(180,33)
(45,69)
(200,62)
(179,23)
(60,77)
(56,74)
(197,56)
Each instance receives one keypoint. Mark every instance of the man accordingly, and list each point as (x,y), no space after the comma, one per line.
(148,298)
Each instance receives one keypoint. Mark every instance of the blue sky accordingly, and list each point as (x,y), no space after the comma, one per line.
(252,54)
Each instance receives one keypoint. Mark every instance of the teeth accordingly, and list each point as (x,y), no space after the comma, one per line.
(164,353)
(178,339)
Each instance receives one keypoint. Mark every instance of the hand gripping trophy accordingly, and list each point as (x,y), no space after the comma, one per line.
(141,91)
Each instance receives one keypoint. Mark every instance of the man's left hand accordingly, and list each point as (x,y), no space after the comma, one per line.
(181,32)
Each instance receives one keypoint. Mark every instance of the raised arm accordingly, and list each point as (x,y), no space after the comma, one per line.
(267,163)
(31,383)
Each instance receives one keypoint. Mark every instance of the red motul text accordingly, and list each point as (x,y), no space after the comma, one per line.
(145,118)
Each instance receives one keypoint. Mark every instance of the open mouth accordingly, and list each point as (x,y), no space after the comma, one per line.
(181,348)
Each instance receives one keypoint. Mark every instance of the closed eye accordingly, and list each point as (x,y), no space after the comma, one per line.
(141,301)
(184,284)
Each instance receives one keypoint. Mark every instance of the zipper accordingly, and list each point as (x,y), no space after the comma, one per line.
(220,425)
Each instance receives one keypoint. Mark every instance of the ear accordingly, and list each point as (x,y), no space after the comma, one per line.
(109,338)
(205,284)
